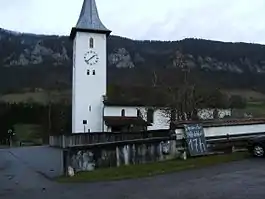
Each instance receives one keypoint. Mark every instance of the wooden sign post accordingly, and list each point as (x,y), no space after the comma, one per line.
(195,140)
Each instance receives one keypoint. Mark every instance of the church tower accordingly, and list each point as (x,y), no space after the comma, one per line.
(89,70)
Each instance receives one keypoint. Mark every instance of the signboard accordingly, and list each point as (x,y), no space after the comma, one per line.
(195,139)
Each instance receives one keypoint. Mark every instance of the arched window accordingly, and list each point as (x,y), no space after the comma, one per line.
(91,42)
(123,112)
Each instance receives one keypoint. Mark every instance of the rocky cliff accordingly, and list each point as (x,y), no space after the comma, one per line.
(51,56)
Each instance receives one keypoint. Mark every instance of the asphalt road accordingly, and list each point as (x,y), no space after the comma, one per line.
(237,180)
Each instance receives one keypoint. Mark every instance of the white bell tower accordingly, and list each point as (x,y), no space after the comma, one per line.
(89,70)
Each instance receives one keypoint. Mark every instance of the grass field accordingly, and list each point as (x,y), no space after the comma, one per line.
(38,97)
(29,132)
(44,96)
(152,169)
(257,109)
(255,106)
(249,95)
(41,97)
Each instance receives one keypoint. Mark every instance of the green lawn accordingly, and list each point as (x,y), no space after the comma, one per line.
(249,94)
(146,170)
(29,132)
(256,108)
(41,97)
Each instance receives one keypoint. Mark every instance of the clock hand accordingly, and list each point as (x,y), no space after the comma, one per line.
(91,57)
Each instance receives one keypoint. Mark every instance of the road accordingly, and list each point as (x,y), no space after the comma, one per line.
(237,180)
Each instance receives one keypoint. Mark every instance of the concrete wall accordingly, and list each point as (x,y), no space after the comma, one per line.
(85,160)
(231,130)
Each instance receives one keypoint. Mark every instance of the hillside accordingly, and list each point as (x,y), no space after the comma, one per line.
(29,61)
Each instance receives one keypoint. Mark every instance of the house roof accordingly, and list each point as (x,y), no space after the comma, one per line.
(124,121)
(219,122)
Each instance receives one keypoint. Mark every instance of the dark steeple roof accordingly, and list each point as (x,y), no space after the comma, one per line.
(89,20)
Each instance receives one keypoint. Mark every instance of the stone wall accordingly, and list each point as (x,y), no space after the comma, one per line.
(89,159)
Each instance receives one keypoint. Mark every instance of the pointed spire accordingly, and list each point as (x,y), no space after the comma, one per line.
(89,20)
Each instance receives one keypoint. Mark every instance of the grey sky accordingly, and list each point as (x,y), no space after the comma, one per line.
(226,20)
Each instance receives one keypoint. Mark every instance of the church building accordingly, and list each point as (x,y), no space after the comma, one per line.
(91,110)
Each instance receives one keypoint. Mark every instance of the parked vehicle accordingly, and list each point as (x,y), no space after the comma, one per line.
(256,146)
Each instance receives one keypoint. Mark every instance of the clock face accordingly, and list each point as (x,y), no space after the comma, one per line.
(91,57)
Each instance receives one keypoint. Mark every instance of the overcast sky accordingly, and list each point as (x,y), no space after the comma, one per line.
(226,20)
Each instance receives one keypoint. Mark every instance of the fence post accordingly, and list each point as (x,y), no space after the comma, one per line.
(63,140)
(126,154)
(230,147)
(65,162)
(118,156)
(49,141)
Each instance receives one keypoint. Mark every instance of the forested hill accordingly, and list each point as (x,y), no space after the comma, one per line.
(39,61)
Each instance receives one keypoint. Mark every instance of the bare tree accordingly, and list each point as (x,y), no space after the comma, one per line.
(154,79)
(182,104)
(182,100)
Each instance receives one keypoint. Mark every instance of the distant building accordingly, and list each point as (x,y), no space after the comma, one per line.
(90,112)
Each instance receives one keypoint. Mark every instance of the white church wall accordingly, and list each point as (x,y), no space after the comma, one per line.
(116,111)
(160,122)
(160,119)
(89,89)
